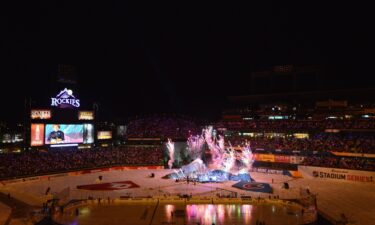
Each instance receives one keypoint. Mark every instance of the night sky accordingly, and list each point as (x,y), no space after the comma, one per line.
(169,57)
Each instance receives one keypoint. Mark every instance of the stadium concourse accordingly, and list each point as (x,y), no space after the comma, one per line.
(355,200)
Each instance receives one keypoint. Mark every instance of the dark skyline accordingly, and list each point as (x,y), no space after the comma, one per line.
(175,57)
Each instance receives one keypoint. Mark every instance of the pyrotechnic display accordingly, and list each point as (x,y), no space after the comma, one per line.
(224,163)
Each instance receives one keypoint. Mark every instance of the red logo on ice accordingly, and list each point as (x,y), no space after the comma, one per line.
(109,186)
(251,186)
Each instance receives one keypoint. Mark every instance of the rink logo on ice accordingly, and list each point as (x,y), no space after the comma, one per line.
(253,186)
(112,186)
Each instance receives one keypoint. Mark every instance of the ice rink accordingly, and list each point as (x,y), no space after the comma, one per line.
(355,200)
(156,214)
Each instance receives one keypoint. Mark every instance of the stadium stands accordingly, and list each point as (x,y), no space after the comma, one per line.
(36,163)
(162,127)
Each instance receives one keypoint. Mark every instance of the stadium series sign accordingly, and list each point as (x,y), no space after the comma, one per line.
(65,99)
(337,174)
(343,175)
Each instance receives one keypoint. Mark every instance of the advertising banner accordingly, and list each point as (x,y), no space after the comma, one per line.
(265,157)
(40,114)
(352,154)
(37,134)
(278,158)
(103,135)
(268,171)
(296,159)
(336,174)
(85,115)
(282,158)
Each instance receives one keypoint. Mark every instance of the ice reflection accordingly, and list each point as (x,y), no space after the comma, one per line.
(169,209)
(218,214)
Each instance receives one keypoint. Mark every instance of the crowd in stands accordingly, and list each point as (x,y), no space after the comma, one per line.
(34,162)
(299,125)
(354,163)
(321,142)
(163,127)
(160,126)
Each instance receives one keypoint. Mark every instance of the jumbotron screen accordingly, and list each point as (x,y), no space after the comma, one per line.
(88,133)
(63,133)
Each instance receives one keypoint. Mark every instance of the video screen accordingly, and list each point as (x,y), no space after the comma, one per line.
(88,133)
(37,134)
(103,135)
(121,131)
(63,133)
